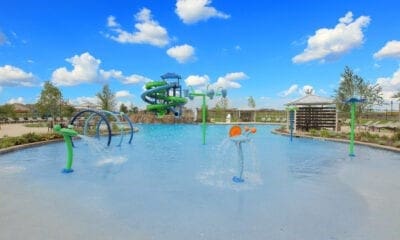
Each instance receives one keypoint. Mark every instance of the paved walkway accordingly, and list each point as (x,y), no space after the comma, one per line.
(17,129)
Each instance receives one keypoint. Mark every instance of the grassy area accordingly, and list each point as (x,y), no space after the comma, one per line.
(368,137)
(35,125)
(27,138)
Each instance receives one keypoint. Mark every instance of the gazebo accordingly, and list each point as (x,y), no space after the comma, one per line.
(314,112)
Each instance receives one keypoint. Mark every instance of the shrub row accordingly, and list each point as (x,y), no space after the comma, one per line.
(6,142)
(368,137)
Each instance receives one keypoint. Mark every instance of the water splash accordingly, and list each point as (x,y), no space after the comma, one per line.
(114,160)
(224,166)
(95,145)
(106,155)
(12,169)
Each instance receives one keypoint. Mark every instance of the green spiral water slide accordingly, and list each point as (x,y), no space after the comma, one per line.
(157,95)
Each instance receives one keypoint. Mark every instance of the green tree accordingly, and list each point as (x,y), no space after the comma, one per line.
(220,108)
(397,95)
(354,85)
(106,98)
(133,109)
(123,108)
(250,102)
(222,104)
(50,101)
(7,110)
(67,109)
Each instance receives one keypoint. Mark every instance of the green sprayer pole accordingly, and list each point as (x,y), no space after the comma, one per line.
(352,123)
(70,153)
(204,119)
(67,133)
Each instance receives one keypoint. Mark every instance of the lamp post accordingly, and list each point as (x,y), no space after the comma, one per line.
(210,93)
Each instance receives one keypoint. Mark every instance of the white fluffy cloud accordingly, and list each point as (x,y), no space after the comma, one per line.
(182,53)
(123,94)
(294,88)
(196,80)
(134,79)
(16,100)
(111,22)
(390,85)
(148,31)
(289,91)
(229,80)
(192,11)
(328,43)
(86,69)
(391,49)
(85,101)
(307,89)
(13,76)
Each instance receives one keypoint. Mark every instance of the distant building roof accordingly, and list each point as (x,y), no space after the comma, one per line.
(311,99)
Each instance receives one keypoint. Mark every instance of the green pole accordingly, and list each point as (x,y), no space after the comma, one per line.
(67,133)
(352,123)
(204,106)
(70,153)
(204,119)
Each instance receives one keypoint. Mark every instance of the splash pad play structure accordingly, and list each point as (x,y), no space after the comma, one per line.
(166,189)
(97,121)
(236,136)
(164,96)
(210,93)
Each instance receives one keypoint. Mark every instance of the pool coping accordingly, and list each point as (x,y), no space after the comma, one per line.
(28,145)
(373,145)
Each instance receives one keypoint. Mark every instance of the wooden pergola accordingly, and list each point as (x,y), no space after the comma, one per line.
(314,112)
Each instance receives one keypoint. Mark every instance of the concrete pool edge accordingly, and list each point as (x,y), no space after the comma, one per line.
(373,145)
(28,145)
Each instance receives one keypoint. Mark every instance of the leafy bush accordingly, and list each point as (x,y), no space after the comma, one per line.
(396,144)
(396,136)
(313,132)
(324,133)
(27,138)
(282,128)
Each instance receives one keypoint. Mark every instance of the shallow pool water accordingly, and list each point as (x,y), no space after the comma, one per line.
(167,185)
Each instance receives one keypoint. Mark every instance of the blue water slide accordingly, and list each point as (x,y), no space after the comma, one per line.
(146,94)
(157,96)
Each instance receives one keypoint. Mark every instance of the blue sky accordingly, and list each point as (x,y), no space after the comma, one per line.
(270,51)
